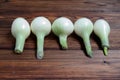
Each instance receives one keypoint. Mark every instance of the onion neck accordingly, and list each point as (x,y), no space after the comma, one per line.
(63,41)
(40,45)
(87,44)
(105,44)
(20,41)
(105,41)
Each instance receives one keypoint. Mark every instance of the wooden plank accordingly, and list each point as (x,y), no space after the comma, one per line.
(57,54)
(71,64)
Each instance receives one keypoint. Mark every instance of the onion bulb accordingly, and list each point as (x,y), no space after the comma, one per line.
(102,30)
(20,30)
(62,27)
(41,27)
(83,28)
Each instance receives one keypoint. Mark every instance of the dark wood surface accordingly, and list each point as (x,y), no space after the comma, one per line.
(57,63)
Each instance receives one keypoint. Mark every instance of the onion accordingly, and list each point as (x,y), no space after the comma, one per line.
(62,27)
(83,28)
(41,27)
(20,30)
(102,30)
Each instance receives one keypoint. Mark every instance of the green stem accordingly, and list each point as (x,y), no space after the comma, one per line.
(20,41)
(40,44)
(63,41)
(105,45)
(105,49)
(87,45)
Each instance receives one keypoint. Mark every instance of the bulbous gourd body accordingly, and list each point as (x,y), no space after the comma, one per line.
(62,27)
(102,30)
(83,28)
(41,27)
(20,30)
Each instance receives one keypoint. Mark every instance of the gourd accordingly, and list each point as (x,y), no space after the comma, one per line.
(102,30)
(20,30)
(83,28)
(62,27)
(41,27)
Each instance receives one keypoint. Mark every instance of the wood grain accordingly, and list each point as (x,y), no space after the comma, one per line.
(59,64)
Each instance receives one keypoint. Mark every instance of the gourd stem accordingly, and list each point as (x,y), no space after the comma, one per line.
(105,49)
(87,45)
(40,44)
(105,41)
(63,41)
(20,41)
(105,45)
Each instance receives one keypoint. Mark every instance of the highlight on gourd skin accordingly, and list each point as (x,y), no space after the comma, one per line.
(62,27)
(20,29)
(41,27)
(102,30)
(83,28)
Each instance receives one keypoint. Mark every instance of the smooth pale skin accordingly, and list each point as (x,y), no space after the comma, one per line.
(62,27)
(83,28)
(20,30)
(102,30)
(41,27)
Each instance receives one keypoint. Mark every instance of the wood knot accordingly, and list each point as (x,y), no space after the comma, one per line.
(106,62)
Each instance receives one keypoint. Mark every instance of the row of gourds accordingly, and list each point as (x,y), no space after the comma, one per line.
(61,27)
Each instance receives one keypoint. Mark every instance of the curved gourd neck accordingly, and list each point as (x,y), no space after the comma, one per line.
(40,45)
(63,41)
(86,40)
(20,41)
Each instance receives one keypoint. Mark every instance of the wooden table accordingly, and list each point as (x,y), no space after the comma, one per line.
(57,63)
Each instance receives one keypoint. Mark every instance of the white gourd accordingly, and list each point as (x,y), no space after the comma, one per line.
(20,30)
(102,30)
(62,27)
(41,27)
(83,28)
